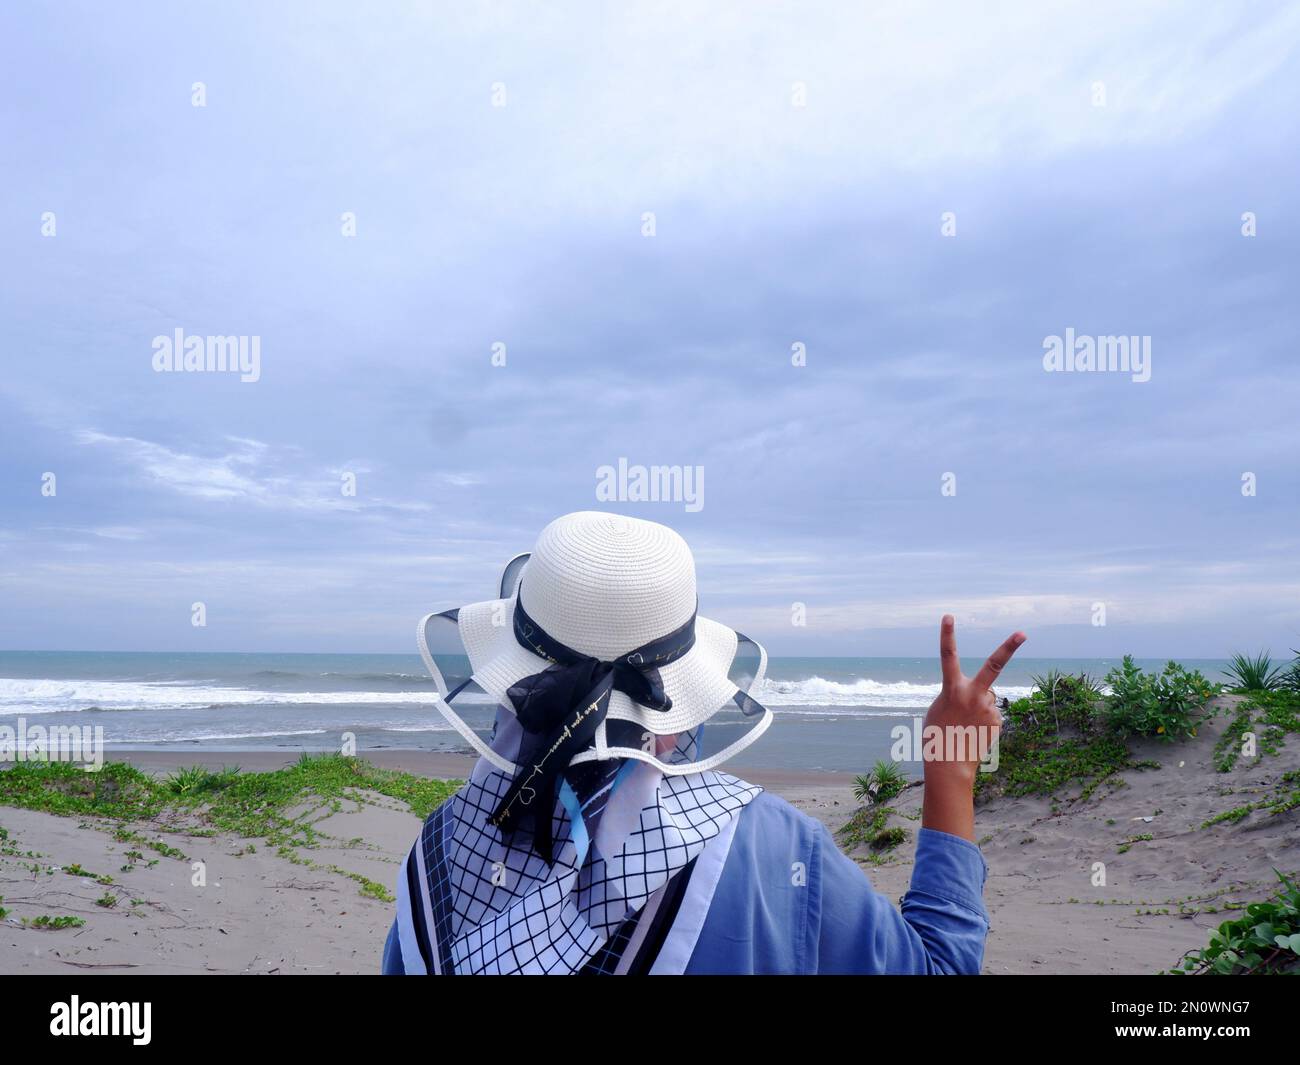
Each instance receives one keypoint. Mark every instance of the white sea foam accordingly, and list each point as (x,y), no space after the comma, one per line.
(864,693)
(22,696)
(814,694)
(413,728)
(204,737)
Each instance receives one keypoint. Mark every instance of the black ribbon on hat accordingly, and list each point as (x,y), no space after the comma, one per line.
(560,710)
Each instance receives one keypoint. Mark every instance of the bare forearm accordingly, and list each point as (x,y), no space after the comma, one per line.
(949,803)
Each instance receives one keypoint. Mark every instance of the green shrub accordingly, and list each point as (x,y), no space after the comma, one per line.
(1266,939)
(1067,731)
(1034,759)
(1169,704)
(1070,698)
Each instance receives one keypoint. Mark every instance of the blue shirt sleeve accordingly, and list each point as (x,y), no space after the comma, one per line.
(942,925)
(789,901)
(392,961)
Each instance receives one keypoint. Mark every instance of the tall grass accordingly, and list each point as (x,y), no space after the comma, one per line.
(1291,678)
(884,782)
(1256,674)
(1072,698)
(195,779)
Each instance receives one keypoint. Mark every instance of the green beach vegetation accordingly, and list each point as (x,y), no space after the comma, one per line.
(278,807)
(885,781)
(1072,730)
(1170,705)
(1265,939)
(870,826)
(46,922)
(1258,728)
(1267,716)
(1254,674)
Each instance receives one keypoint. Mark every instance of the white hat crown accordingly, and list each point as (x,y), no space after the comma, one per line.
(605,584)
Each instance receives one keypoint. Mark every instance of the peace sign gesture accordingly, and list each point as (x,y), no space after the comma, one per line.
(966,701)
(963,702)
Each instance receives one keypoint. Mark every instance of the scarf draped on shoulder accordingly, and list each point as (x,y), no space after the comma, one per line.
(472,899)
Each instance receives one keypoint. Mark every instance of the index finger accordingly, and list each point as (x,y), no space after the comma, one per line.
(948,659)
(998,660)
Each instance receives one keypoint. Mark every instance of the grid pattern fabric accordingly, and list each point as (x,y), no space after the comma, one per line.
(498,908)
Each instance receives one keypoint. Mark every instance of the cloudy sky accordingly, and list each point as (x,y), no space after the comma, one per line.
(798,161)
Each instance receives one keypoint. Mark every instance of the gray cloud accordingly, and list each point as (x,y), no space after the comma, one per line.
(775,225)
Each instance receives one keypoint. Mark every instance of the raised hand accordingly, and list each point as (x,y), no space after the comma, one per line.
(963,702)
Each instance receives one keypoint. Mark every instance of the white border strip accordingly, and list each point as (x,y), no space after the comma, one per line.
(680,942)
(412,960)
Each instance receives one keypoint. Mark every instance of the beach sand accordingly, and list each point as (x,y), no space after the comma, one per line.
(261,913)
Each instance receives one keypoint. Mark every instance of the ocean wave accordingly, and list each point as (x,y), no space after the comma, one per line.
(411,728)
(204,737)
(816,691)
(48,696)
(829,711)
(22,696)
(385,678)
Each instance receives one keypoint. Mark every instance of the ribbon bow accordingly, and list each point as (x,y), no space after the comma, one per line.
(560,710)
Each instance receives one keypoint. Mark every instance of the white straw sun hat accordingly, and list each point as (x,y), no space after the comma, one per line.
(603,586)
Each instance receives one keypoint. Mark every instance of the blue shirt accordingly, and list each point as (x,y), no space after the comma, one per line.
(788,901)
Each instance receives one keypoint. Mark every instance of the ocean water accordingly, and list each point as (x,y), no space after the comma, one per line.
(831,713)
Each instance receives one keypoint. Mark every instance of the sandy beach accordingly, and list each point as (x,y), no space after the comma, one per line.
(1168,880)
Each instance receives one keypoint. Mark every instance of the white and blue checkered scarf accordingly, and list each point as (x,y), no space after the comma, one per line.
(470,900)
